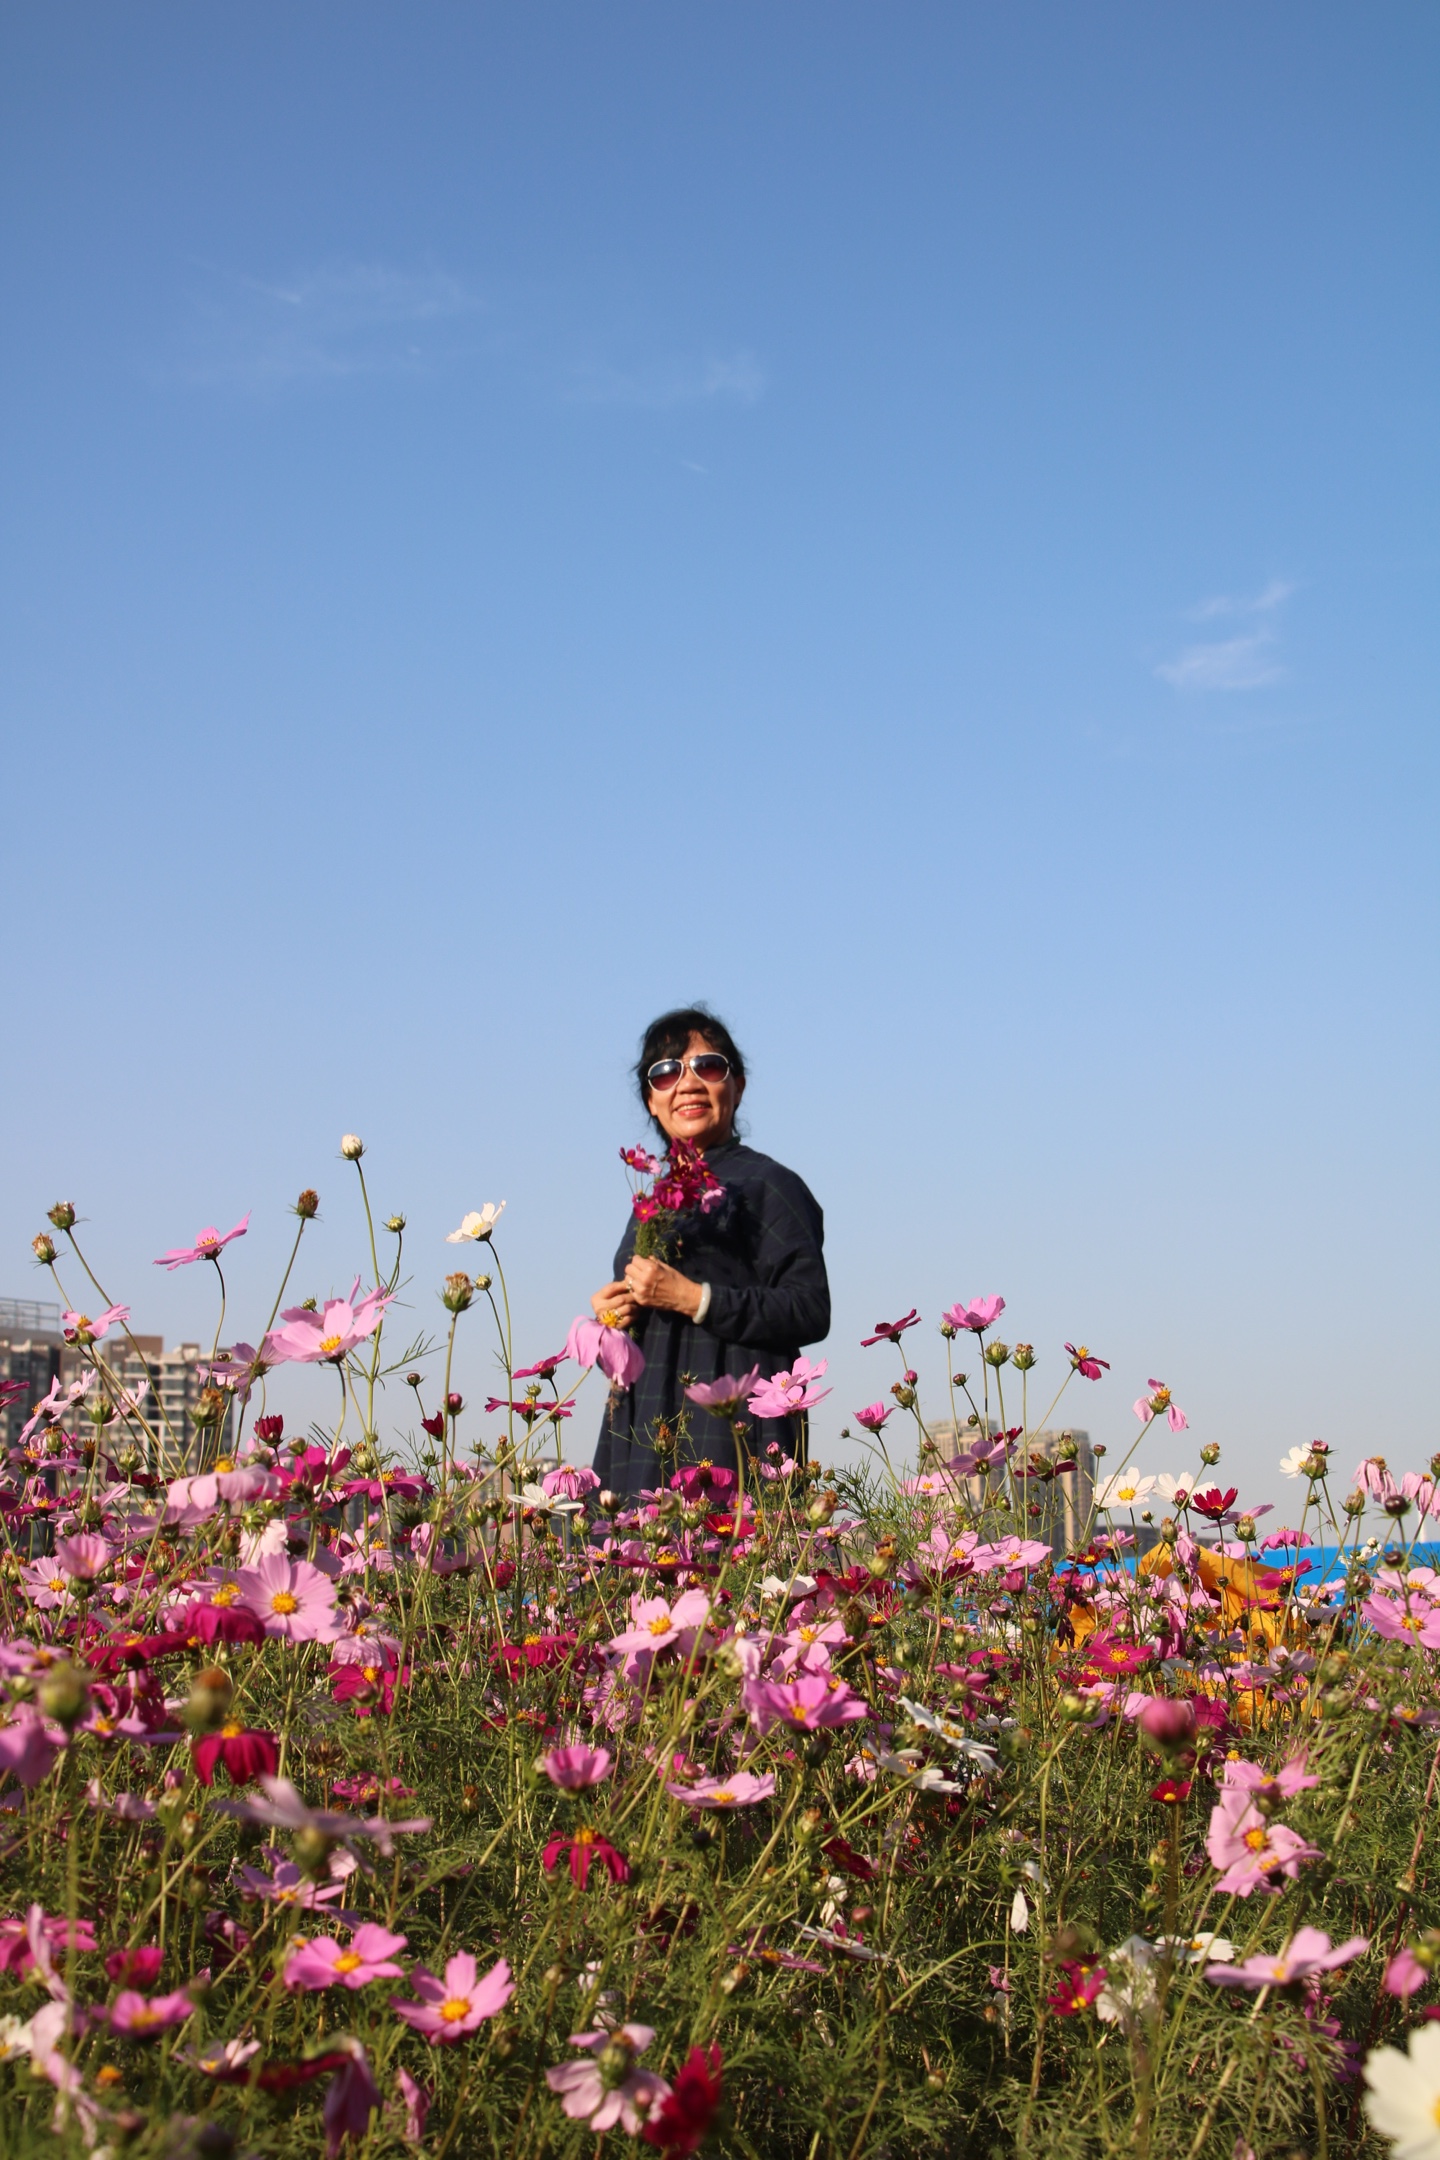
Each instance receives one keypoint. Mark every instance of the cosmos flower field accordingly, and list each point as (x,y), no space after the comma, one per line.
(388,1788)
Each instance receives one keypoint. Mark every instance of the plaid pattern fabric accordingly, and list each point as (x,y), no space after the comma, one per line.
(760,1251)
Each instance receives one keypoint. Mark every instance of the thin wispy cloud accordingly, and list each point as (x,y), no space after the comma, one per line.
(734,378)
(341,319)
(1245,662)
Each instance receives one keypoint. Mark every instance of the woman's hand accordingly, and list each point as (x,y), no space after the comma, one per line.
(664,1288)
(615,1302)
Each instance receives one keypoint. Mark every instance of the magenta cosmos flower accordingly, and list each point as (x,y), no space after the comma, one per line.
(1158,1404)
(600,1342)
(319,1338)
(454,2006)
(569,1481)
(208,1246)
(575,1769)
(604,2087)
(78,1327)
(145,2017)
(584,1847)
(786,1392)
(322,1963)
(1309,1953)
(1085,1363)
(979,1314)
(872,1417)
(292,1598)
(803,1705)
(891,1330)
(741,1789)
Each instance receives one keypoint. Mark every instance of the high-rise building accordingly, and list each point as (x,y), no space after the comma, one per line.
(31,1347)
(1058,1509)
(34,1351)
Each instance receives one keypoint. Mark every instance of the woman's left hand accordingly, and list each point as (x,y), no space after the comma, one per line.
(662,1288)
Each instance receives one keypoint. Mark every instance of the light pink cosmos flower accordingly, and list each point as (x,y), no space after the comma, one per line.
(803,1705)
(1373,1477)
(1405,1975)
(741,1789)
(415,2098)
(286,1884)
(1253,1853)
(83,1557)
(569,1481)
(602,2094)
(78,1327)
(809,1645)
(208,1246)
(657,1626)
(726,1394)
(191,1499)
(594,1342)
(1309,1953)
(27,1749)
(454,2006)
(281,1808)
(1418,1625)
(1158,1404)
(979,1314)
(1293,1776)
(291,1598)
(142,2017)
(873,1416)
(786,1392)
(576,1769)
(322,1962)
(325,1338)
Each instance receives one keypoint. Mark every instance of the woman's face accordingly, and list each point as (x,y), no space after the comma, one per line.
(700,1111)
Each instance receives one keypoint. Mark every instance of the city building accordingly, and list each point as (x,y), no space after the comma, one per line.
(31,1348)
(1058,1509)
(34,1351)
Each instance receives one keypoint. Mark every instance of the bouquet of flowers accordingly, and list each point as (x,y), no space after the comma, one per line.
(678,1183)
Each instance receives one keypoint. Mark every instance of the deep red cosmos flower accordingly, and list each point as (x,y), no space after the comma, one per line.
(1077,1989)
(680,2122)
(206,1623)
(536,1651)
(583,1847)
(891,1330)
(1213,1503)
(246,1755)
(368,1687)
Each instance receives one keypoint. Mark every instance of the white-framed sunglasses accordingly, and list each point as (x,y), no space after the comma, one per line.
(706,1065)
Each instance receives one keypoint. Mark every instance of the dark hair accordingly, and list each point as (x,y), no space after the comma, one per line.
(667,1037)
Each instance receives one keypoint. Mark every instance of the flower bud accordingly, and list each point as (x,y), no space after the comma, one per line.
(311,1849)
(1209,1454)
(483,1282)
(352,1147)
(1245,1530)
(211,1693)
(63,1693)
(948,1331)
(1167,1722)
(210,1406)
(1023,1356)
(307,1207)
(614,2060)
(63,1215)
(1354,1502)
(609,1503)
(1396,1504)
(1074,1707)
(821,1508)
(395,1224)
(43,1248)
(997,1354)
(458,1292)
(414,1379)
(903,1395)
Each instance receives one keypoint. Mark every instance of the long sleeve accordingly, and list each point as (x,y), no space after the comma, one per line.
(787,1300)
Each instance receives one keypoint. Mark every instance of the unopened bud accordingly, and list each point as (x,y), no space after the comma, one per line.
(822,1507)
(609,1503)
(1023,1356)
(210,1406)
(1245,1529)
(43,1248)
(307,1207)
(352,1147)
(1209,1454)
(395,1224)
(312,1849)
(63,1693)
(211,1693)
(948,1331)
(458,1292)
(1354,1502)
(414,1379)
(997,1354)
(63,1215)
(1396,1504)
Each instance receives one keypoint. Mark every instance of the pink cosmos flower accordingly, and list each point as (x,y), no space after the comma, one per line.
(1418,1625)
(293,1599)
(1253,1853)
(415,2099)
(352,2098)
(282,1808)
(454,2006)
(593,1342)
(981,1313)
(142,2017)
(605,2088)
(322,1962)
(191,1499)
(1084,1362)
(872,1417)
(1291,1778)
(803,1705)
(808,1643)
(1158,1404)
(325,1338)
(575,1769)
(83,1557)
(726,1394)
(1373,1477)
(657,1626)
(786,1392)
(569,1481)
(287,1884)
(1405,1975)
(741,1789)
(891,1330)
(27,1749)
(207,1246)
(78,1327)
(1309,1953)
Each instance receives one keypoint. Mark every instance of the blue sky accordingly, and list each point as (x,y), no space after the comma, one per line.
(915,525)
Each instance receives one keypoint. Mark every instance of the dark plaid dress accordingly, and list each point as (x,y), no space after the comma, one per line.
(760,1252)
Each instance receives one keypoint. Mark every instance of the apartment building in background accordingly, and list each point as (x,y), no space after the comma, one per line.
(1058,1509)
(34,1351)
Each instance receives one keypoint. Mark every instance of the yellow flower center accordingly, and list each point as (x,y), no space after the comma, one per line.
(223,1465)
(1257,1839)
(284,1602)
(371,1673)
(226,1594)
(809,1634)
(231,1729)
(329,1344)
(1412,1622)
(1127,1492)
(609,1318)
(457,2007)
(660,1625)
(586,1836)
(722,1799)
(348,1962)
(57,1582)
(143,2017)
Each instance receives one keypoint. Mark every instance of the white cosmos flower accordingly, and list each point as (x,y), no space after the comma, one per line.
(1170,1488)
(1124,1489)
(477,1226)
(1293,1464)
(947,1730)
(15,2038)
(1019,1913)
(1404,2097)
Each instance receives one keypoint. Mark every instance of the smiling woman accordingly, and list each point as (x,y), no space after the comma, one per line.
(749,1288)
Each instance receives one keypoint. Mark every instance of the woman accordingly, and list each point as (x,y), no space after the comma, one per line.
(747,1285)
